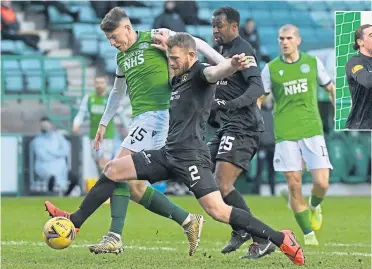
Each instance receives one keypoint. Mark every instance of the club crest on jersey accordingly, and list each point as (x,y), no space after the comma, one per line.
(184,77)
(281,72)
(305,68)
(143,46)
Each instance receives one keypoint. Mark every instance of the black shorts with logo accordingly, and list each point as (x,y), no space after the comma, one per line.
(191,167)
(234,147)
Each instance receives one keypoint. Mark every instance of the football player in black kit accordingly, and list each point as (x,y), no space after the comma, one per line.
(186,155)
(359,77)
(235,109)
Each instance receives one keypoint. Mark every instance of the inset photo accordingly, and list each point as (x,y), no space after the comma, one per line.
(353,70)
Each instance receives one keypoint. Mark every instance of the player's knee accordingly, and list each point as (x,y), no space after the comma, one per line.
(110,170)
(294,182)
(137,189)
(224,186)
(322,184)
(217,213)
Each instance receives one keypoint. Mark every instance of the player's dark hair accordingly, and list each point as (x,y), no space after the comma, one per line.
(359,35)
(232,15)
(182,40)
(112,19)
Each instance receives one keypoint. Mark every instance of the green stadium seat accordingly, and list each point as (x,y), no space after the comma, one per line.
(78,29)
(57,18)
(280,178)
(14,83)
(206,14)
(33,82)
(86,13)
(139,12)
(337,151)
(143,27)
(8,46)
(89,46)
(56,82)
(307,178)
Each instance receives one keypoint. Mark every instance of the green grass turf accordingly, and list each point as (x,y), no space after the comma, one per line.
(156,242)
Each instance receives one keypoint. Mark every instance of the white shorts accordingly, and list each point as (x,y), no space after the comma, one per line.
(106,150)
(147,131)
(289,154)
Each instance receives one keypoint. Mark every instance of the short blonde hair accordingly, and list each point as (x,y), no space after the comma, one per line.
(290,27)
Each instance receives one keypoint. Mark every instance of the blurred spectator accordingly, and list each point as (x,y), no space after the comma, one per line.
(249,32)
(266,150)
(170,19)
(10,28)
(61,7)
(52,151)
(188,10)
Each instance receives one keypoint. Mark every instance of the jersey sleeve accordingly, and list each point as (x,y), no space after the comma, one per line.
(118,91)
(266,79)
(201,77)
(355,69)
(323,78)
(253,70)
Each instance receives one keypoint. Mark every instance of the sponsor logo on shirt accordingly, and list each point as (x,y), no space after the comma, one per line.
(295,86)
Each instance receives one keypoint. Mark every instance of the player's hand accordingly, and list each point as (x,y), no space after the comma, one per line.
(240,61)
(99,136)
(160,39)
(219,104)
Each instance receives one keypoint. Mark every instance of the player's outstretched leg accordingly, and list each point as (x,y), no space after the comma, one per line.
(321,180)
(226,175)
(112,242)
(285,240)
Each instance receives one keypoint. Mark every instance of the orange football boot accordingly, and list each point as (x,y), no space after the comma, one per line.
(291,248)
(56,212)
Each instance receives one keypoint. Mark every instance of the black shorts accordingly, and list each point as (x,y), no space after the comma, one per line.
(189,167)
(235,148)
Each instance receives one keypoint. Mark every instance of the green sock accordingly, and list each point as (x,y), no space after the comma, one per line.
(119,205)
(315,201)
(158,203)
(303,219)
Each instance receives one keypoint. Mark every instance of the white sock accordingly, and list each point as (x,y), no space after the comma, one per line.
(311,233)
(187,220)
(117,235)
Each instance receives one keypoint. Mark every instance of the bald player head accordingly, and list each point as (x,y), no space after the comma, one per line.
(118,29)
(289,40)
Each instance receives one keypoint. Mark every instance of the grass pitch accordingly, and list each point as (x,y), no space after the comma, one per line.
(155,242)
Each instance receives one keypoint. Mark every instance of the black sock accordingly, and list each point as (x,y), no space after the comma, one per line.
(235,199)
(250,224)
(101,191)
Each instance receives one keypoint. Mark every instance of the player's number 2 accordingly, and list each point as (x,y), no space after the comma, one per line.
(194,172)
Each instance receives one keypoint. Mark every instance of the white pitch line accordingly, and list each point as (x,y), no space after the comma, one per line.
(331,253)
(347,245)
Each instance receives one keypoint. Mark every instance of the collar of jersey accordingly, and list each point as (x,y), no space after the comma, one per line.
(365,56)
(299,58)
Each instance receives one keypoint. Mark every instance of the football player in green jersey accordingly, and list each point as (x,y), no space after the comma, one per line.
(93,106)
(141,69)
(293,80)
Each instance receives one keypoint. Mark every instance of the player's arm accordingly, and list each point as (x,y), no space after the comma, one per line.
(266,81)
(117,93)
(80,116)
(202,46)
(356,70)
(214,73)
(325,81)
